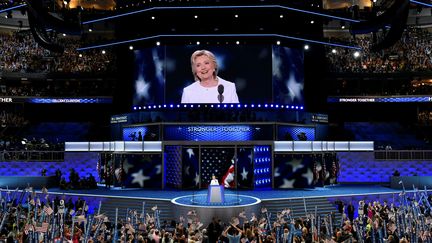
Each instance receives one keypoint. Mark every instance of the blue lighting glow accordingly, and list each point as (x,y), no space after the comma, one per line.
(221,7)
(218,35)
(11,8)
(164,106)
(421,3)
(217,132)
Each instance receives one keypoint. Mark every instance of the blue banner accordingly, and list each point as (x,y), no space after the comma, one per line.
(218,132)
(380,99)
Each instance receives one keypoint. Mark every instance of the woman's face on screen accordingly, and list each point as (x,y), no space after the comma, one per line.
(204,67)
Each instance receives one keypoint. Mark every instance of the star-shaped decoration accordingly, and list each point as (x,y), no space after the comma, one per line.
(295,88)
(139,178)
(308,175)
(287,183)
(190,152)
(244,174)
(276,172)
(295,164)
(186,170)
(142,87)
(196,179)
(127,166)
(158,169)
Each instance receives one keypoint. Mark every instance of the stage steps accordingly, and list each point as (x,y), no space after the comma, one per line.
(109,207)
(296,205)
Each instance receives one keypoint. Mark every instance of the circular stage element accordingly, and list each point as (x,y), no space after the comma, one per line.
(233,205)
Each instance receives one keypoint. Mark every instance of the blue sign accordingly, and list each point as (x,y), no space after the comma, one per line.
(70,100)
(218,132)
(295,133)
(141,133)
(380,99)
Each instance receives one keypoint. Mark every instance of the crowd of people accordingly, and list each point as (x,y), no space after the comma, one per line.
(412,53)
(19,52)
(28,217)
(11,119)
(58,88)
(14,148)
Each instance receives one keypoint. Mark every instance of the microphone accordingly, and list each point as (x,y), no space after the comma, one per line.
(220,91)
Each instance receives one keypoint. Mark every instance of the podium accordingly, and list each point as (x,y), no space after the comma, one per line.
(215,194)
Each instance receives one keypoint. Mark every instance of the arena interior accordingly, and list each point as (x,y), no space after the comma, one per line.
(252,121)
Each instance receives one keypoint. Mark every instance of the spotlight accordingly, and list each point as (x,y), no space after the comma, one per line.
(356,54)
(237,42)
(334,51)
(158,43)
(80,55)
(277,42)
(131,48)
(281,16)
(197,42)
(306,47)
(90,30)
(236,16)
(103,52)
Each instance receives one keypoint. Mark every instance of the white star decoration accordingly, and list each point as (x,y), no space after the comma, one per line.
(139,178)
(287,183)
(127,166)
(158,169)
(196,179)
(295,88)
(244,174)
(190,152)
(296,164)
(187,170)
(276,172)
(308,175)
(142,87)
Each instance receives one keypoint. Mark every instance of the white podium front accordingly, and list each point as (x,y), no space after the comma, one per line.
(215,194)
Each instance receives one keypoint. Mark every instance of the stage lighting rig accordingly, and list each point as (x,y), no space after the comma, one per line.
(64,20)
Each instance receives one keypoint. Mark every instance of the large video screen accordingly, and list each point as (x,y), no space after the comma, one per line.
(248,74)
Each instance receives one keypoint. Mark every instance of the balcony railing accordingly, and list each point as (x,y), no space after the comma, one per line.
(403,155)
(36,156)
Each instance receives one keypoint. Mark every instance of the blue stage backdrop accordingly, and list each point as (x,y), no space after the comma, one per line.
(83,163)
(262,166)
(244,168)
(219,162)
(141,133)
(295,133)
(293,171)
(218,132)
(143,170)
(190,167)
(173,166)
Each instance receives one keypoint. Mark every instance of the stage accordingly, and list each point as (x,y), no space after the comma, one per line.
(264,194)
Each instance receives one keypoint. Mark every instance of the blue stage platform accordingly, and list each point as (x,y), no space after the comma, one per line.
(271,194)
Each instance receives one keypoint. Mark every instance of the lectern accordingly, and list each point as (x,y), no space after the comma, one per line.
(215,194)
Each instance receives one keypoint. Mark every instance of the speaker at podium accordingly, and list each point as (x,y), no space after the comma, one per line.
(215,193)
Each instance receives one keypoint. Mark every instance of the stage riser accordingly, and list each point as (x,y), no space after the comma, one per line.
(110,205)
(323,205)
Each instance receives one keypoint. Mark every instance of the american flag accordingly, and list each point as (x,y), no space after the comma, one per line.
(27,228)
(215,161)
(42,227)
(48,210)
